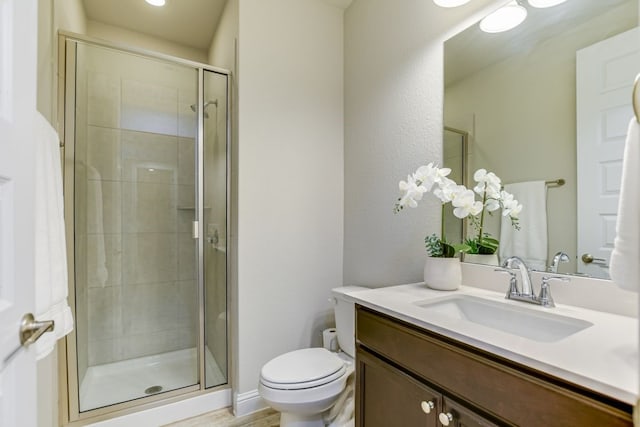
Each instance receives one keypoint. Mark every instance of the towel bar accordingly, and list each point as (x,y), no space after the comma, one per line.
(555,183)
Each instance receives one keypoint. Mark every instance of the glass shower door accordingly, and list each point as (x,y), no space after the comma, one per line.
(136,292)
(215,217)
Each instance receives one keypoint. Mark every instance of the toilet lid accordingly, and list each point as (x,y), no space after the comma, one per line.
(309,367)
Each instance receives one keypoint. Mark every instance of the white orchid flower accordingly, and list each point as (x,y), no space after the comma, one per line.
(465,204)
(426,176)
(429,175)
(492,205)
(442,173)
(515,211)
(510,205)
(447,190)
(411,193)
(487,182)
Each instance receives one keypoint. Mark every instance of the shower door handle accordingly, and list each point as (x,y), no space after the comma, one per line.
(195,229)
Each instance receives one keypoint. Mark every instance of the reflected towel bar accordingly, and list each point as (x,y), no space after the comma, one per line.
(634,98)
(555,183)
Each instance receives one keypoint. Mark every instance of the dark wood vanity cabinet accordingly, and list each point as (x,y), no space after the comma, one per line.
(407,376)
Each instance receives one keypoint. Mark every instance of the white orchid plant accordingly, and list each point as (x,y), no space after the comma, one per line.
(446,190)
(489,187)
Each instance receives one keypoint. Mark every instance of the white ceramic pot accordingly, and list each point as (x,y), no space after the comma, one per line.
(482,259)
(444,274)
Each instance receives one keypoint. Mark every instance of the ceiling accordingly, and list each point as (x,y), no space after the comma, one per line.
(473,50)
(187,22)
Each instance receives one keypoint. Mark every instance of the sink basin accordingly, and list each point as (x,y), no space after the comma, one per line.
(520,321)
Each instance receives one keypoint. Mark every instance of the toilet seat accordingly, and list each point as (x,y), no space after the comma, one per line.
(302,369)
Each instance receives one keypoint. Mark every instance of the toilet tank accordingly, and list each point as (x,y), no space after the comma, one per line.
(344,309)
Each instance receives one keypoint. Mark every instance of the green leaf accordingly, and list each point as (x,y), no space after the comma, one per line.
(487,245)
(486,240)
(462,248)
(448,251)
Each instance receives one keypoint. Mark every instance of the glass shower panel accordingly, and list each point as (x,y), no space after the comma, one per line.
(134,203)
(215,227)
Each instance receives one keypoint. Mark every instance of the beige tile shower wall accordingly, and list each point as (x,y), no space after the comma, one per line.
(139,255)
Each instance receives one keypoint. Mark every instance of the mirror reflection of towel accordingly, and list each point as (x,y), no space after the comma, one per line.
(97,273)
(530,242)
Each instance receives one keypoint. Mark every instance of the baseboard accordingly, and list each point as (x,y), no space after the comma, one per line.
(172,412)
(247,403)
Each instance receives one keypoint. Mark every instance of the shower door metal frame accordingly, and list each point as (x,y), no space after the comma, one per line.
(464,153)
(67,357)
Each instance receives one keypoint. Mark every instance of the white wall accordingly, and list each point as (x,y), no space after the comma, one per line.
(52,15)
(393,124)
(290,154)
(143,41)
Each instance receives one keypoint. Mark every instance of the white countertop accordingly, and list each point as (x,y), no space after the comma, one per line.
(602,357)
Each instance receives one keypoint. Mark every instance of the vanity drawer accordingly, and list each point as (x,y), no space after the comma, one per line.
(503,389)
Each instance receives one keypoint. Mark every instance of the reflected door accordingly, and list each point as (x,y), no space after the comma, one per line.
(604,73)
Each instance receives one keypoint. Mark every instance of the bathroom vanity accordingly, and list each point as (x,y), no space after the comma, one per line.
(419,363)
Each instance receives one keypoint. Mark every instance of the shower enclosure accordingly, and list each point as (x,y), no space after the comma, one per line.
(146,204)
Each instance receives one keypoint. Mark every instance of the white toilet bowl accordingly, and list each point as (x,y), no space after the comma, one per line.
(303,384)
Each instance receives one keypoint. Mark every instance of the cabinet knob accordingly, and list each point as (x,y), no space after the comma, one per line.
(427,406)
(445,419)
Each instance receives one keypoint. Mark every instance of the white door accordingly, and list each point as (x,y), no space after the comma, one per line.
(605,73)
(18,31)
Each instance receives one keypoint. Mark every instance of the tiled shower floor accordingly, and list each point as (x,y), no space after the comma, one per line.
(118,382)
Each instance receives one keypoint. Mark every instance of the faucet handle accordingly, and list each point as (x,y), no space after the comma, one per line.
(545,298)
(513,286)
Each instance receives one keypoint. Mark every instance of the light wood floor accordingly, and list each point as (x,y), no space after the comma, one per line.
(224,418)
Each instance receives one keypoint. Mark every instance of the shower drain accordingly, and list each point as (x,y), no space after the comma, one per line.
(153,389)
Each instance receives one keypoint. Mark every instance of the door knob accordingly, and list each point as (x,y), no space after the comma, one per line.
(427,407)
(31,329)
(445,419)
(589,259)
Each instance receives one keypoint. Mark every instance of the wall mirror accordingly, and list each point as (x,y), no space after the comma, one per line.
(549,101)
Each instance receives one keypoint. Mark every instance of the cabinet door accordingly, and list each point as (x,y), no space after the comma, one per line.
(388,397)
(456,415)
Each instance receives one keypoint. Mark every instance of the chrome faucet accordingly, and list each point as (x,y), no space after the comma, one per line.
(526,290)
(557,259)
(525,293)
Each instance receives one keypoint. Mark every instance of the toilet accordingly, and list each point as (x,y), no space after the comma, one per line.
(303,384)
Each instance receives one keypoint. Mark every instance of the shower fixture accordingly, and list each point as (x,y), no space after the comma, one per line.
(206,104)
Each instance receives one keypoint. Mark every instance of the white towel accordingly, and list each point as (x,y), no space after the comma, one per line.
(51,287)
(624,264)
(342,412)
(530,242)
